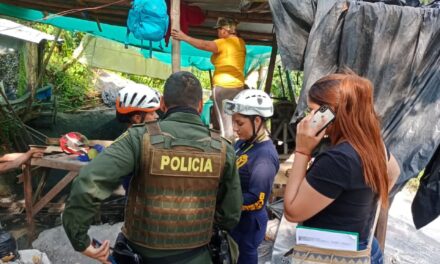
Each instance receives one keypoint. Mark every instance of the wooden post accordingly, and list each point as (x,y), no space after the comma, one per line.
(175,24)
(271,69)
(27,183)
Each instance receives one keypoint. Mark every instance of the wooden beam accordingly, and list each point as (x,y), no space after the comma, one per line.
(126,3)
(207,31)
(175,24)
(57,7)
(54,191)
(241,17)
(271,69)
(109,15)
(27,185)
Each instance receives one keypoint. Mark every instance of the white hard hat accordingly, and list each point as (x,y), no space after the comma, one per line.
(249,102)
(137,97)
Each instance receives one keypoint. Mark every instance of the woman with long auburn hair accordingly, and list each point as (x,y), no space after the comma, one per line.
(347,181)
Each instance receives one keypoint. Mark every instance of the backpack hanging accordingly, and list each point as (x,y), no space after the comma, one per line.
(148,20)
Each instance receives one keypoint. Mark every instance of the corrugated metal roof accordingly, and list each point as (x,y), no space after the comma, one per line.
(255,17)
(18,31)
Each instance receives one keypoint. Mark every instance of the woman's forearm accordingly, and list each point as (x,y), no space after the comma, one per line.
(296,175)
(201,44)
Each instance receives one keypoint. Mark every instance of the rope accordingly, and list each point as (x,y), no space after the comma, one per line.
(66,12)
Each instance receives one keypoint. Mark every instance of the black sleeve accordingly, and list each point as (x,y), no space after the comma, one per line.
(329,174)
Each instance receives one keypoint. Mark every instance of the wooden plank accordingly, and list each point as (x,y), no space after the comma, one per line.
(54,191)
(241,17)
(56,141)
(246,35)
(53,141)
(175,24)
(53,149)
(59,161)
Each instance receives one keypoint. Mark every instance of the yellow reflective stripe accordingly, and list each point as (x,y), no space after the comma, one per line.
(255,206)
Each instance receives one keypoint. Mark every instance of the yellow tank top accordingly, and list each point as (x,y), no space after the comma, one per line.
(229,62)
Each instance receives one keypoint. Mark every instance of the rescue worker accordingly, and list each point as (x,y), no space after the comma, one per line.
(257,163)
(185,181)
(136,104)
(228,58)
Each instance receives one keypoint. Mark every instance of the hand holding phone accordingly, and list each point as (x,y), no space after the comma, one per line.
(324,112)
(96,244)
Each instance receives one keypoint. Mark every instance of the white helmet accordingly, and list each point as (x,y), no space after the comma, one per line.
(249,102)
(137,97)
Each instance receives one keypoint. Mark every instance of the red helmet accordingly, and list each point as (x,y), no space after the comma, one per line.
(74,143)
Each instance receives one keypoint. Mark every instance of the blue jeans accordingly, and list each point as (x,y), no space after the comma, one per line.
(376,253)
(248,234)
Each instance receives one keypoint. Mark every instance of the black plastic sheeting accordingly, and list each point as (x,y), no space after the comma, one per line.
(426,204)
(396,47)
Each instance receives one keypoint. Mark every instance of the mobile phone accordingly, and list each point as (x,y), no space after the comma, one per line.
(323,112)
(96,244)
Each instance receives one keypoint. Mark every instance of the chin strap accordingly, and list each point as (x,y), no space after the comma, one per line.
(255,136)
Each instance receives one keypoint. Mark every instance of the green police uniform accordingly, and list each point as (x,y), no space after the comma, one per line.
(97,181)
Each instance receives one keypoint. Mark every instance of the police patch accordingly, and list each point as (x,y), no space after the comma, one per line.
(242,160)
(184,163)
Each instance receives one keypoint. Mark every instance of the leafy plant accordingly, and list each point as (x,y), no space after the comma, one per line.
(296,79)
(151,82)
(73,84)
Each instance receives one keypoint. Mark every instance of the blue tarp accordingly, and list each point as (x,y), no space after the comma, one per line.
(190,56)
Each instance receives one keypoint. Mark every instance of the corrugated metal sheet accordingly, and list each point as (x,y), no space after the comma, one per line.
(18,31)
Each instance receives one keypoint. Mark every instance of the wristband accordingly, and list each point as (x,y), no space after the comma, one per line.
(303,153)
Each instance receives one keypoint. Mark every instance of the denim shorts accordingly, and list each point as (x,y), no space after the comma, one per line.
(376,253)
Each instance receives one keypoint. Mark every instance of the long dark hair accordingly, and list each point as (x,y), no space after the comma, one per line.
(351,98)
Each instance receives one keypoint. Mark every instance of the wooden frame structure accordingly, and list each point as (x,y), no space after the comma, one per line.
(57,161)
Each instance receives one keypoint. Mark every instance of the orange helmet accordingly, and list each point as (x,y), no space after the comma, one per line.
(74,143)
(137,97)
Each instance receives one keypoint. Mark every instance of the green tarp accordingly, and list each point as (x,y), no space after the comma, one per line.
(190,56)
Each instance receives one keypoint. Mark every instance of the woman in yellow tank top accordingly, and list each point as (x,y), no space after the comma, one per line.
(228,58)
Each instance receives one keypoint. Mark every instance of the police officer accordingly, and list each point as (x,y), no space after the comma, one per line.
(257,162)
(185,181)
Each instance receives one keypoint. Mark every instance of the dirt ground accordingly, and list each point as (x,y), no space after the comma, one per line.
(404,244)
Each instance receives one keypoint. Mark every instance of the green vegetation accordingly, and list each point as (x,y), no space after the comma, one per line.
(296,78)
(151,82)
(72,80)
